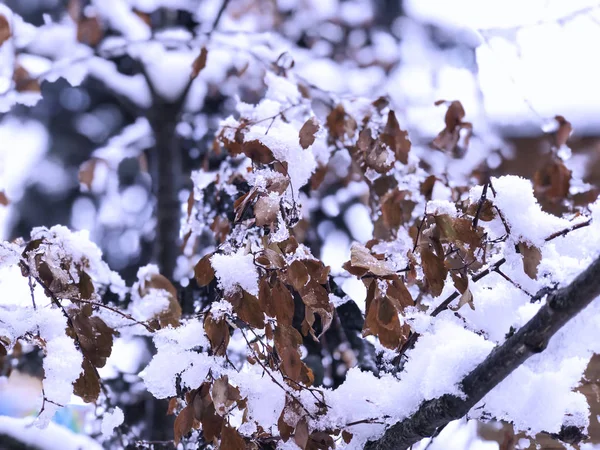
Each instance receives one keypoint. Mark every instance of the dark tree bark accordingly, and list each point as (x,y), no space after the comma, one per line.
(532,338)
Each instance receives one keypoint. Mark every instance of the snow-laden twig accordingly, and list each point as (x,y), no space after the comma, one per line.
(532,338)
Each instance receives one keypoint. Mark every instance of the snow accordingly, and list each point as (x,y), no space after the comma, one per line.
(110,421)
(235,270)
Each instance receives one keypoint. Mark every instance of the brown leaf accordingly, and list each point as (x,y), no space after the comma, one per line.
(248,309)
(172,406)
(317,271)
(301,433)
(199,63)
(283,303)
(87,386)
(86,172)
(89,31)
(5,32)
(395,138)
(361,257)
(4,201)
(435,271)
(172,314)
(297,274)
(266,210)
(454,115)
(532,256)
(24,82)
(94,336)
(145,17)
(285,430)
(465,298)
(339,123)
(203,271)
(320,440)
(231,439)
(183,423)
(287,340)
(553,179)
(347,436)
(217,332)
(563,132)
(258,152)
(307,132)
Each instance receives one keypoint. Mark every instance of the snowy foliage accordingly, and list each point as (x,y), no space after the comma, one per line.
(274,351)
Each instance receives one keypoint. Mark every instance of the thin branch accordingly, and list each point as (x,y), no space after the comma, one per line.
(531,339)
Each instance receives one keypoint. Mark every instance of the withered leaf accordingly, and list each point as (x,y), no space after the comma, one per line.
(24,82)
(248,309)
(224,395)
(203,271)
(4,199)
(396,138)
(297,274)
(87,171)
(301,433)
(465,298)
(183,423)
(435,270)
(94,336)
(317,271)
(172,314)
(563,132)
(211,423)
(217,332)
(361,257)
(285,430)
(532,256)
(283,303)
(553,179)
(89,31)
(5,32)
(172,406)
(231,439)
(258,152)
(307,132)
(287,340)
(87,386)
(319,440)
(199,63)
(86,286)
(347,436)
(339,123)
(266,210)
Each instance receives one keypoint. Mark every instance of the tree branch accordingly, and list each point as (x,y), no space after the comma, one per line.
(532,338)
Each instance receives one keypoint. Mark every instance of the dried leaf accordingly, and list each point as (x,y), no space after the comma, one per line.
(172,406)
(339,123)
(94,336)
(183,423)
(563,132)
(231,439)
(4,201)
(283,303)
(307,132)
(361,257)
(24,82)
(553,179)
(465,298)
(297,275)
(87,171)
(435,271)
(5,32)
(532,256)
(199,63)
(396,138)
(258,152)
(89,31)
(347,436)
(203,271)
(87,386)
(287,340)
(217,332)
(224,395)
(301,433)
(172,314)
(266,210)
